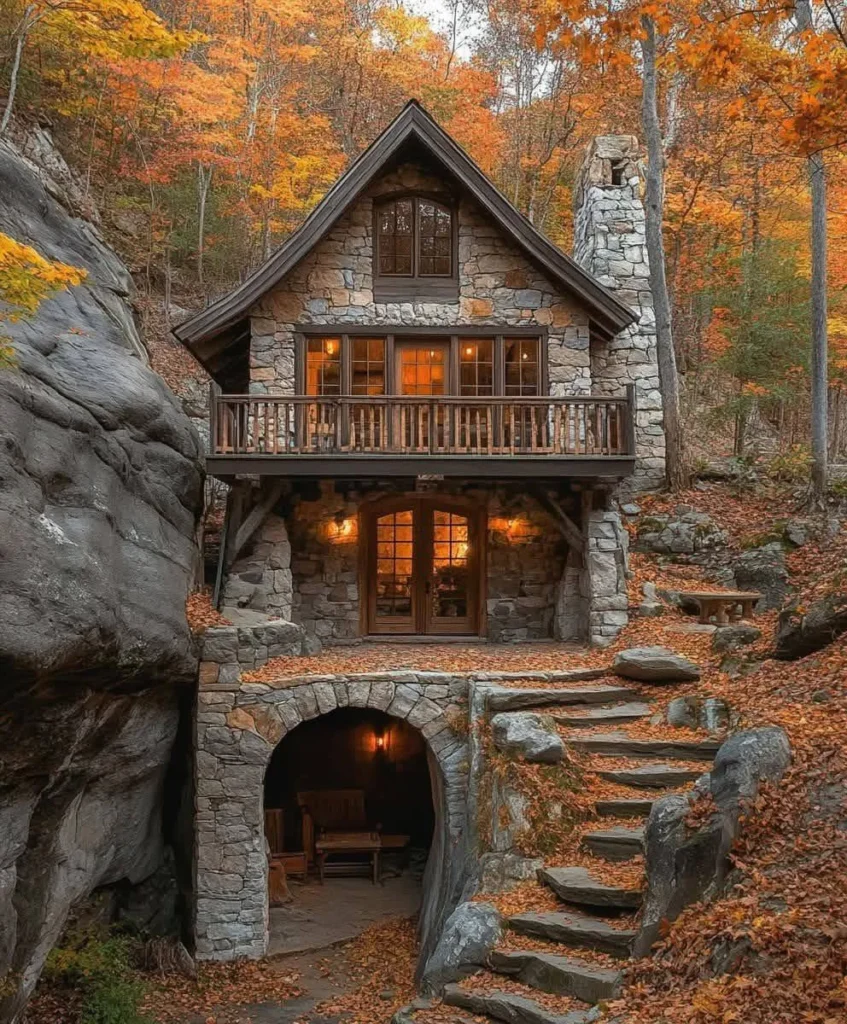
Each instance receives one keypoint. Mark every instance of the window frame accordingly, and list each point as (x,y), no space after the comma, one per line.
(392,338)
(436,287)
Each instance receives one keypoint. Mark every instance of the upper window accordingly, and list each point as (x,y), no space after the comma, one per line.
(414,238)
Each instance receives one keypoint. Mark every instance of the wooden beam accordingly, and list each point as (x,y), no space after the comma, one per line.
(236,504)
(257,516)
(570,531)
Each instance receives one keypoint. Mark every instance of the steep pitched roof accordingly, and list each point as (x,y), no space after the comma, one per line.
(609,315)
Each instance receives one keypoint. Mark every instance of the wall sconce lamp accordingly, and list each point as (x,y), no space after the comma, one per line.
(340,528)
(381,741)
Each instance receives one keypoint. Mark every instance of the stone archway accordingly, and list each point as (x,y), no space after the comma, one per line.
(238,727)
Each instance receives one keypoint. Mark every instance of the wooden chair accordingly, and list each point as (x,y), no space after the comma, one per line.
(293,862)
(331,814)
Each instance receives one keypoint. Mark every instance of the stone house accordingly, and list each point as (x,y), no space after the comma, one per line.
(427,412)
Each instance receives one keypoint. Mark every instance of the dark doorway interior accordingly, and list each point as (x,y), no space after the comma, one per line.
(351,763)
(355,748)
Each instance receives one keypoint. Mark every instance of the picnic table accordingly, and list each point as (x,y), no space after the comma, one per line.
(724,606)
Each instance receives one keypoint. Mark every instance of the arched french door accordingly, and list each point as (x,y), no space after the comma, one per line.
(423,566)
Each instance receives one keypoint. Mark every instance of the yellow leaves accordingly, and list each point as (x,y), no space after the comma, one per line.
(26,279)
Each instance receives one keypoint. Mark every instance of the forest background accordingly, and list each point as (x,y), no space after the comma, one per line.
(204,131)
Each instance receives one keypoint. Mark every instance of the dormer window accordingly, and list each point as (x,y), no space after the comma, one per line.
(415,250)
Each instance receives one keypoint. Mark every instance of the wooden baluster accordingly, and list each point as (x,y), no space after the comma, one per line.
(489,430)
(557,429)
(511,428)
(533,438)
(598,428)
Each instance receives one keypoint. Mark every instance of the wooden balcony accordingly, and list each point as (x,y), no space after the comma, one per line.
(297,435)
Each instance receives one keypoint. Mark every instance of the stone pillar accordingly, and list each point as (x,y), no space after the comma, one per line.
(604,577)
(261,580)
(610,243)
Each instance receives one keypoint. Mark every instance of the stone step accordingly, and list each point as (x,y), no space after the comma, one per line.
(561,975)
(618,744)
(650,776)
(617,843)
(578,885)
(509,1007)
(624,808)
(503,698)
(574,930)
(612,715)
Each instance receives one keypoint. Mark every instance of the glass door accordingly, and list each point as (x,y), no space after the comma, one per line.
(424,568)
(393,593)
(422,372)
(451,574)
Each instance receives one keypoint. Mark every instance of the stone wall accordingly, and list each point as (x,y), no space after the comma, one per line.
(497,286)
(605,575)
(610,242)
(318,571)
(238,725)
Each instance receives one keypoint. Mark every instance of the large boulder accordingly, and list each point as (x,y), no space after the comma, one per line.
(734,636)
(802,632)
(530,736)
(685,866)
(100,488)
(763,569)
(654,665)
(468,937)
(683,532)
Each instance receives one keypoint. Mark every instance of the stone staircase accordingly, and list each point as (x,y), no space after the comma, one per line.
(578,950)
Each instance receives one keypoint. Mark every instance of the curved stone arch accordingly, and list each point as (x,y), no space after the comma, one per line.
(234,748)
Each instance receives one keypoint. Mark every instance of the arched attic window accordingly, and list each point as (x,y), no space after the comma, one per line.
(415,249)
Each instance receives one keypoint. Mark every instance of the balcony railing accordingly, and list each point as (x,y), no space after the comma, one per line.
(291,425)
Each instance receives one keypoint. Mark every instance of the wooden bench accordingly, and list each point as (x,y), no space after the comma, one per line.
(724,607)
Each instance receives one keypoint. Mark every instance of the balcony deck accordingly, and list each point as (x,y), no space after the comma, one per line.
(384,435)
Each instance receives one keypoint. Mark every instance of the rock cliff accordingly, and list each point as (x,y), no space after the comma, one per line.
(100,487)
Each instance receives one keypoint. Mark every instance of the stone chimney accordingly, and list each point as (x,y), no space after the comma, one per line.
(610,243)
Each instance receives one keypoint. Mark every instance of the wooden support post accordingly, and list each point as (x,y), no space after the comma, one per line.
(570,531)
(257,516)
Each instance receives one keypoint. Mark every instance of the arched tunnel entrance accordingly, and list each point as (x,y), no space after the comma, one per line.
(349,819)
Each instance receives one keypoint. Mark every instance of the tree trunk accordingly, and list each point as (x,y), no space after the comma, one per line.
(25,26)
(204,180)
(817,187)
(676,471)
(817,178)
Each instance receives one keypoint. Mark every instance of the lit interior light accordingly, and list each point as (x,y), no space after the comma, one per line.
(524,356)
(469,351)
(330,348)
(380,742)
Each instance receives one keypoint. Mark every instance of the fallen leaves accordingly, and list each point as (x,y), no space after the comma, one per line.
(219,992)
(381,963)
(200,613)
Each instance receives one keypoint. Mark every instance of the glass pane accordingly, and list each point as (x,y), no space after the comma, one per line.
(323,366)
(368,366)
(422,370)
(450,565)
(476,367)
(394,226)
(521,364)
(435,239)
(395,558)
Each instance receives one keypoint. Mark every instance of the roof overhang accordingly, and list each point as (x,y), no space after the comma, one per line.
(607,313)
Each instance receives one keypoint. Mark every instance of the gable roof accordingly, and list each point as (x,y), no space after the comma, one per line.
(608,314)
